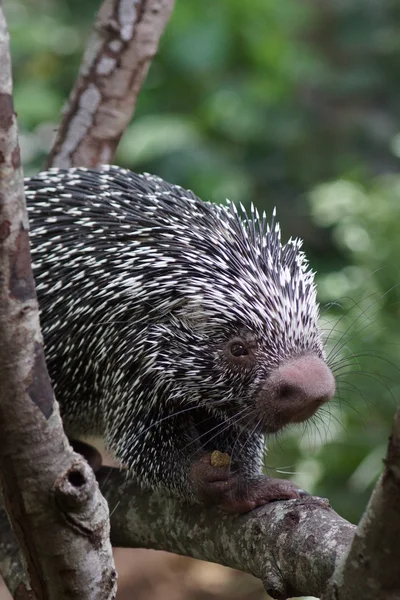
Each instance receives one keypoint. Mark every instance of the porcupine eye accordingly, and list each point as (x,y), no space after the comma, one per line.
(238,349)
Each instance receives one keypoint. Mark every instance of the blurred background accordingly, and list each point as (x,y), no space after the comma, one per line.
(292,104)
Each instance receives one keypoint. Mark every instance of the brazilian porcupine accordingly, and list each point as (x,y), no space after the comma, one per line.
(174,327)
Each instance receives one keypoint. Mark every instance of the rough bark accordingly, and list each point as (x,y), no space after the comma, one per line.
(57,512)
(293,546)
(11,567)
(125,39)
(371,569)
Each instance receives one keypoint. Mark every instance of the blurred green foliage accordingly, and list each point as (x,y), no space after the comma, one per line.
(294,104)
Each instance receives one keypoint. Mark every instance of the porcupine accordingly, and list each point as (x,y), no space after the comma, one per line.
(174,327)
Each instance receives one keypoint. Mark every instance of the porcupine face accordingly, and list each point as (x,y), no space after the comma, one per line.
(251,347)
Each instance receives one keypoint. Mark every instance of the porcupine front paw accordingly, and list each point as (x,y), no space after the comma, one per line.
(224,487)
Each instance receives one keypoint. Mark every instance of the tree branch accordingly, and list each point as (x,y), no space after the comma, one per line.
(371,570)
(124,41)
(293,546)
(50,493)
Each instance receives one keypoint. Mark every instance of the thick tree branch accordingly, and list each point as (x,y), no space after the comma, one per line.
(11,567)
(371,570)
(51,496)
(292,546)
(125,39)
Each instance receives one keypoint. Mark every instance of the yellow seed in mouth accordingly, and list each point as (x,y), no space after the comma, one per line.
(220,459)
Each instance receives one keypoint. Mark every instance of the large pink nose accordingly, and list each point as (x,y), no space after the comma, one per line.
(296,389)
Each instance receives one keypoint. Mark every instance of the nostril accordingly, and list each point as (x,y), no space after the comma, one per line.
(286,390)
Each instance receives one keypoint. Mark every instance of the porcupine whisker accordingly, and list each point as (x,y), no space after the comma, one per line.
(348,358)
(342,334)
(339,344)
(355,304)
(343,386)
(321,427)
(343,316)
(313,429)
(346,365)
(232,452)
(242,446)
(333,356)
(170,416)
(320,423)
(340,422)
(336,302)
(305,431)
(342,399)
(310,432)
(351,406)
(378,379)
(220,429)
(332,353)
(330,330)
(233,455)
(381,355)
(351,388)
(274,441)
(342,368)
(338,365)
(226,425)
(345,362)
(249,436)
(210,417)
(285,471)
(332,417)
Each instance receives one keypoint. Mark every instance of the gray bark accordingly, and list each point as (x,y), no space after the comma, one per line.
(11,567)
(50,493)
(293,546)
(123,43)
(371,568)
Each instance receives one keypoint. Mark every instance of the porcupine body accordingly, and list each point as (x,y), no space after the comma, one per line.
(164,317)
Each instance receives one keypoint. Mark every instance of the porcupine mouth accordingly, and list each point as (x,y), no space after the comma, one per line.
(284,418)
